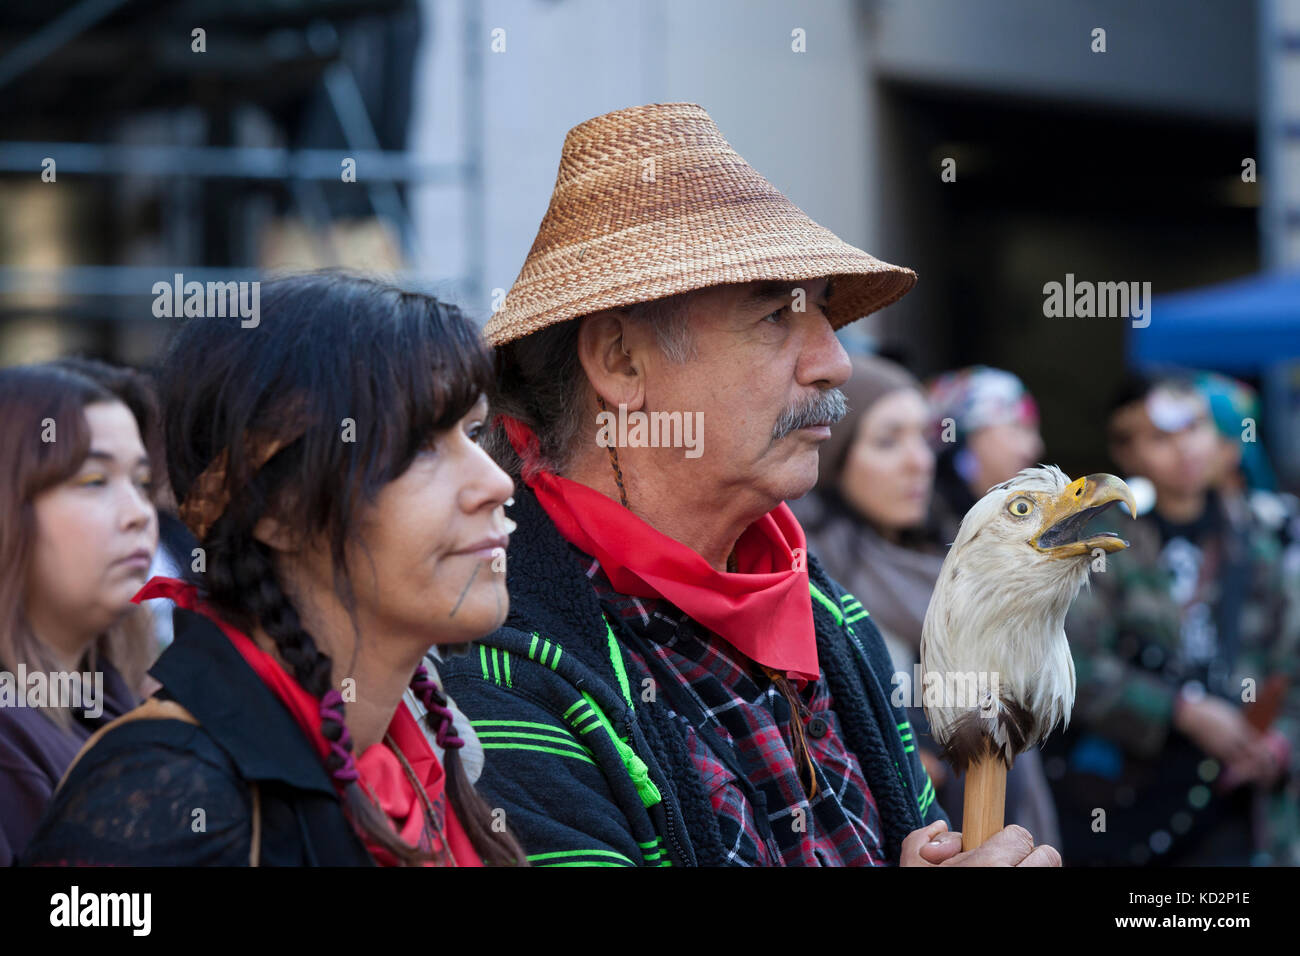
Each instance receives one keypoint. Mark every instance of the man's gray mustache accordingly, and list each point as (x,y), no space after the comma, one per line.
(826,409)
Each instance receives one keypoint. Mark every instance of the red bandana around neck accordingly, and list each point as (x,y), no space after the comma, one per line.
(379,768)
(764,610)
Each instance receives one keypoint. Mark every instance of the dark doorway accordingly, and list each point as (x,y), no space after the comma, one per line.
(1044,189)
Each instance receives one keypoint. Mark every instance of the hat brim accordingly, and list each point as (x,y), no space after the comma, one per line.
(652,201)
(861,283)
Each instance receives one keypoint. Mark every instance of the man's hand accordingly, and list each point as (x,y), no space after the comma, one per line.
(1011,846)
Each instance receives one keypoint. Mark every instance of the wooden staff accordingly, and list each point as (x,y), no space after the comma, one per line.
(984,799)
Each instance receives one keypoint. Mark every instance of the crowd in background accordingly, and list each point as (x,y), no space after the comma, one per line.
(1181,748)
(1185,740)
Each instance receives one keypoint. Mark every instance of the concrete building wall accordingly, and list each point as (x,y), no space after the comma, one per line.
(1187,56)
(810,122)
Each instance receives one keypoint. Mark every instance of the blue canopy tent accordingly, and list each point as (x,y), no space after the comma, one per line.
(1242,326)
(1245,327)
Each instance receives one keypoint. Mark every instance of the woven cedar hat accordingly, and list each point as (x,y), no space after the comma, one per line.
(652,201)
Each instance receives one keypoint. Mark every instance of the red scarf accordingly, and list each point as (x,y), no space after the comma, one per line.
(764,610)
(379,769)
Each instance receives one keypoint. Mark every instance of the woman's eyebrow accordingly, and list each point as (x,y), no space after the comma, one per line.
(99,455)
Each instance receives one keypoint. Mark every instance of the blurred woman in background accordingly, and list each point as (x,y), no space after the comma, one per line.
(175,543)
(868,519)
(1242,469)
(867,515)
(78,530)
(327,462)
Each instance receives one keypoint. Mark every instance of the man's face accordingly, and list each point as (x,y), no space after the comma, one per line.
(1178,462)
(761,376)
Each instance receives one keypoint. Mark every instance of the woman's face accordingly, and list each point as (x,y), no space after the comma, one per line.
(436,539)
(95,533)
(889,471)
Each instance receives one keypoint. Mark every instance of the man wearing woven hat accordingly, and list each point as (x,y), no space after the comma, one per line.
(678,681)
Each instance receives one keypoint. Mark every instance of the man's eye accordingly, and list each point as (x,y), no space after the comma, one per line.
(778,315)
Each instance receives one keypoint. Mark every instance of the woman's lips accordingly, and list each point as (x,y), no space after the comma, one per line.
(487,548)
(137,561)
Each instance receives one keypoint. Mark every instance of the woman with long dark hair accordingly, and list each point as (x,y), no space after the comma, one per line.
(326,459)
(78,530)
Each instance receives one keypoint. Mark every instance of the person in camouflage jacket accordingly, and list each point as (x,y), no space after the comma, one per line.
(1182,641)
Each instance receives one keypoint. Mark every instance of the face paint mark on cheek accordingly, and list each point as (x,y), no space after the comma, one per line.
(465,590)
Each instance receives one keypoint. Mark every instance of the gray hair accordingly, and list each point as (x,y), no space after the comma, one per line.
(542,382)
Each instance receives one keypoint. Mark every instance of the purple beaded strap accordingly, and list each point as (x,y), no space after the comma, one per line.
(331,708)
(434,702)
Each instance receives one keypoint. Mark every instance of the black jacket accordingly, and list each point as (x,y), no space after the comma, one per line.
(587,773)
(164,792)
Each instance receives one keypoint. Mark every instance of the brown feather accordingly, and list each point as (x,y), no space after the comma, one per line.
(970,741)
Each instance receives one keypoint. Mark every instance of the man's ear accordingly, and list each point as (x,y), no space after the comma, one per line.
(611,359)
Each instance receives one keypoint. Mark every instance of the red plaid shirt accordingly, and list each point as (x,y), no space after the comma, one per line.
(838,827)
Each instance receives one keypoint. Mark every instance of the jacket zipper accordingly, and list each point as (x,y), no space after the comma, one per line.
(670,830)
(672,835)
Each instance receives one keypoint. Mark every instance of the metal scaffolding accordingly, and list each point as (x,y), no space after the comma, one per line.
(301,173)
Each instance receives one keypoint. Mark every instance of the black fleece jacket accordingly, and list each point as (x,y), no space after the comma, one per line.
(590,772)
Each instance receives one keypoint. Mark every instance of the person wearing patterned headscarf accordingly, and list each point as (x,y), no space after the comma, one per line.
(1243,469)
(986,430)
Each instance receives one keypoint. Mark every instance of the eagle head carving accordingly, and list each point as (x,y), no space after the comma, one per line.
(996,666)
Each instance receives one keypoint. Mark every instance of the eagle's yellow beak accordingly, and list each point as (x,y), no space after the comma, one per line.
(1065,515)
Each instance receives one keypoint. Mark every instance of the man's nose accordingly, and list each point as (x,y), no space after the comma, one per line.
(824,362)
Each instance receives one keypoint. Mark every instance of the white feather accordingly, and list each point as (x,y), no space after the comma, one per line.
(998,611)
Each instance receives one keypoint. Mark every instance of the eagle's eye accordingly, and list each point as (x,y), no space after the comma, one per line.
(1020,507)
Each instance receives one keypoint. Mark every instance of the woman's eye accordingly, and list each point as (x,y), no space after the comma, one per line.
(88,480)
(475,432)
